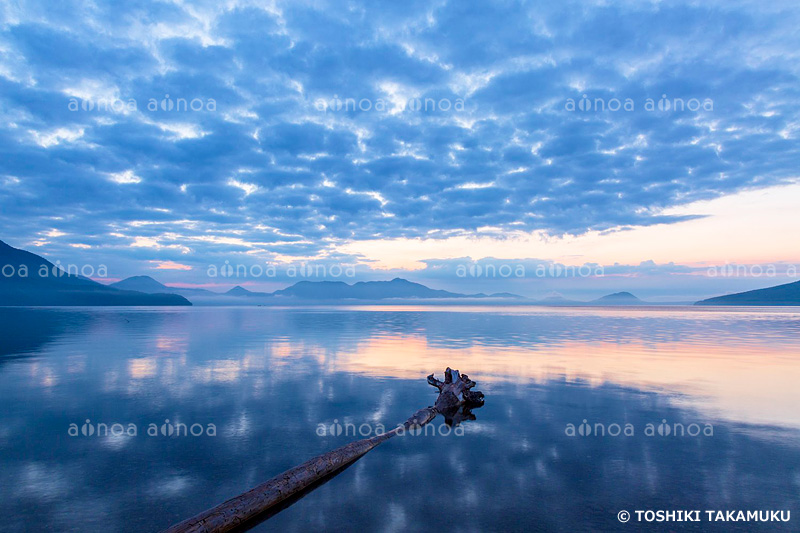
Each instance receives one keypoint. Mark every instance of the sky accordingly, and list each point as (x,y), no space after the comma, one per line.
(573,148)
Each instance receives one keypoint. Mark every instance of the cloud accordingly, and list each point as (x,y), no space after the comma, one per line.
(263,155)
(170,265)
(124,177)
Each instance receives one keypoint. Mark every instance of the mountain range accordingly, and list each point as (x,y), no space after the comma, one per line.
(396,290)
(28,279)
(399,289)
(314,291)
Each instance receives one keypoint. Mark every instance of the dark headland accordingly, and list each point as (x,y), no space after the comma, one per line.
(28,279)
(787,295)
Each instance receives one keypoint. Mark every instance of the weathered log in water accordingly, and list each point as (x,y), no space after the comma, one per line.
(236,512)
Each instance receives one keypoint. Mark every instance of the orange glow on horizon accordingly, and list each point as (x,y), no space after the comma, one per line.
(751,227)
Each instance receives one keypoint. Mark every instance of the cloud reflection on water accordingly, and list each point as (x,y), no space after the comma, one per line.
(268,377)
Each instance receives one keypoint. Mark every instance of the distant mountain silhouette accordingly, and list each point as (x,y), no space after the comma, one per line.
(366,290)
(556,299)
(788,294)
(503,295)
(142,284)
(618,298)
(149,285)
(28,279)
(242,292)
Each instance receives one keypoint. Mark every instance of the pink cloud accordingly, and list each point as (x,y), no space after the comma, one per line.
(170,265)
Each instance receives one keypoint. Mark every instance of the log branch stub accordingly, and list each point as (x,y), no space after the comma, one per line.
(435,382)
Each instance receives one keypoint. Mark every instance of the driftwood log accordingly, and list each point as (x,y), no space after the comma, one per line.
(455,401)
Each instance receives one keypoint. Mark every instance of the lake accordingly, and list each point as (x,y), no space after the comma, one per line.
(589,411)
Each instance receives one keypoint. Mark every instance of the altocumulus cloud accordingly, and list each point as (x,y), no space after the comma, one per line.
(263,170)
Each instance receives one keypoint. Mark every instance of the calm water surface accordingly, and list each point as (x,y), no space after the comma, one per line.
(272,382)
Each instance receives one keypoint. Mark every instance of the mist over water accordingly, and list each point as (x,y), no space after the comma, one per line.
(268,380)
